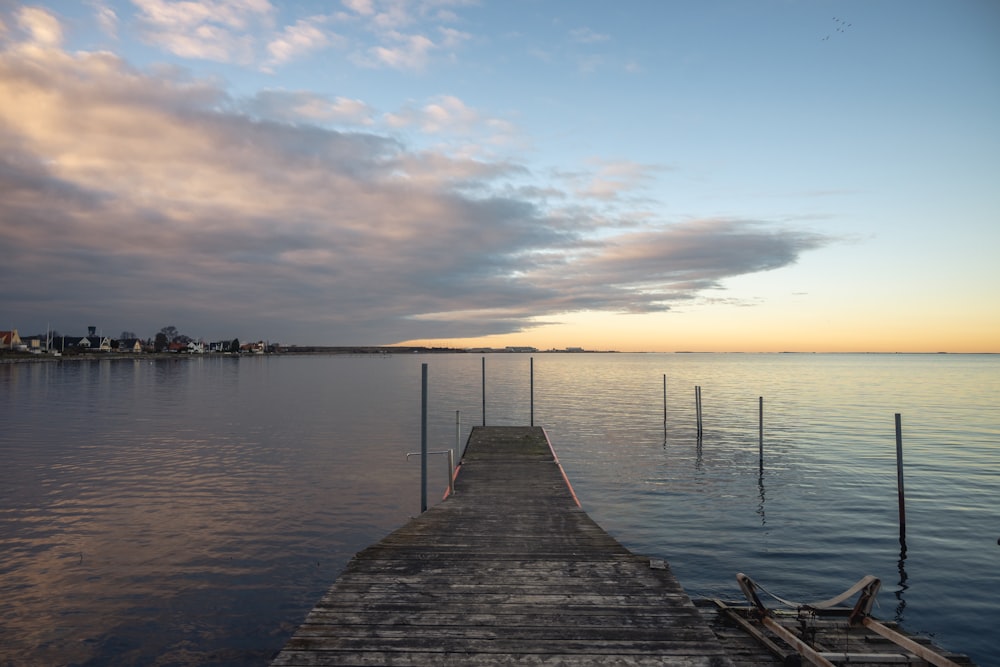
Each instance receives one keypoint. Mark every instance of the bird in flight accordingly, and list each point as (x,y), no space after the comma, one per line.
(840,26)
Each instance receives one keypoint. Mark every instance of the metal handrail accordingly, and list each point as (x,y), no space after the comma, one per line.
(451,466)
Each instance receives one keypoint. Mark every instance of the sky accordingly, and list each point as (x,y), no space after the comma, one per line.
(721,175)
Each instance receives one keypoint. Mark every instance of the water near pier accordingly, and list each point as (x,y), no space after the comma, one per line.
(192,511)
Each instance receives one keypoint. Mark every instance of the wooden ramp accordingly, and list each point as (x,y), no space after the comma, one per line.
(508,570)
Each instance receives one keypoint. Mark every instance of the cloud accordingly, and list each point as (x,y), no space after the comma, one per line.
(362,7)
(400,32)
(451,38)
(106,18)
(306,36)
(587,36)
(42,28)
(406,52)
(304,106)
(393,34)
(612,179)
(449,116)
(457,128)
(184,207)
(447,113)
(219,30)
(664,264)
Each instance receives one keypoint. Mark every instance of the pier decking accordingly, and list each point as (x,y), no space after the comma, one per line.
(508,570)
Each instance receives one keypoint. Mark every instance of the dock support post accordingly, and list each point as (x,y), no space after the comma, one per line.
(423,437)
(760,429)
(664,410)
(531,372)
(899,479)
(484,391)
(697,408)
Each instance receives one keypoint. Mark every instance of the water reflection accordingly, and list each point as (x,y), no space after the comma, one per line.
(167,511)
(762,496)
(901,566)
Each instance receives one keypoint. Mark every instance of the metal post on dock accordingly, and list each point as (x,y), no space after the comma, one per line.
(423,437)
(899,479)
(531,373)
(451,472)
(484,391)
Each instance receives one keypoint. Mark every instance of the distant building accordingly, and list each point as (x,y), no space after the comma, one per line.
(94,343)
(10,340)
(253,348)
(130,345)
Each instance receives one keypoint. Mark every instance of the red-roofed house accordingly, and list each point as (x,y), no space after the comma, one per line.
(10,340)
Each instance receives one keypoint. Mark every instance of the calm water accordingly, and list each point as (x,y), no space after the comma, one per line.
(191,512)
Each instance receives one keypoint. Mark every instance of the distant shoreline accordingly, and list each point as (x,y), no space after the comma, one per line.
(27,357)
(7,357)
(295,350)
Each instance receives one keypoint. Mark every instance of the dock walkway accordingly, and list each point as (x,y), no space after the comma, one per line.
(508,570)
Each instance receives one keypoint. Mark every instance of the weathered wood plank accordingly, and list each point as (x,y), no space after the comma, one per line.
(502,645)
(520,617)
(427,659)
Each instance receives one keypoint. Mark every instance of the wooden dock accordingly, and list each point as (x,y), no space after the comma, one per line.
(508,570)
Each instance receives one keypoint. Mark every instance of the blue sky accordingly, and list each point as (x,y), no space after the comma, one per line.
(772,175)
